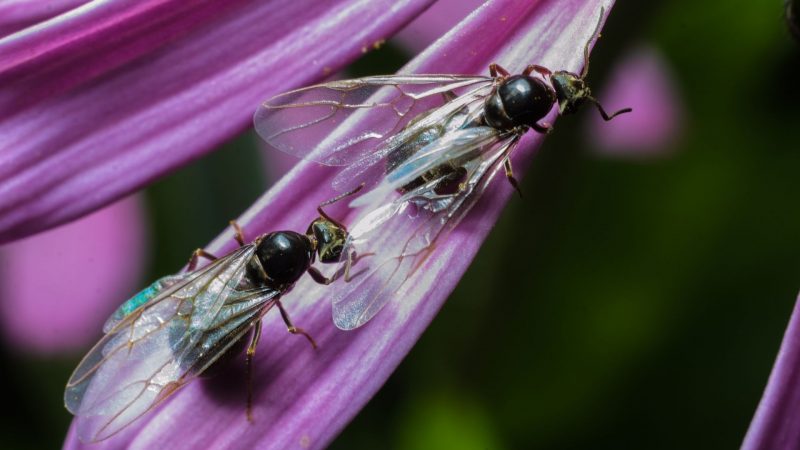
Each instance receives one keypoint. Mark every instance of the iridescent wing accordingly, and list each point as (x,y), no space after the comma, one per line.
(145,296)
(388,244)
(358,122)
(162,345)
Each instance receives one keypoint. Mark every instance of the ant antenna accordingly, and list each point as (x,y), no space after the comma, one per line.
(322,212)
(595,35)
(585,71)
(603,112)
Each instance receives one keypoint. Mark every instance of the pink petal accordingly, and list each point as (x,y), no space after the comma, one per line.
(776,424)
(304,398)
(57,286)
(644,82)
(100,101)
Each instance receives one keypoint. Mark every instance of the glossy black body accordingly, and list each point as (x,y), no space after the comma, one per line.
(280,259)
(284,257)
(519,101)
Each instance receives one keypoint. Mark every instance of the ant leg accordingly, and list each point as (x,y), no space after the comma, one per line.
(325,216)
(449,96)
(349,264)
(510,175)
(341,196)
(196,256)
(494,69)
(541,70)
(320,278)
(543,127)
(251,351)
(290,327)
(238,233)
(345,270)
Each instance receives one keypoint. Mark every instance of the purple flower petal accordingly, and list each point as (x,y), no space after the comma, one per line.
(642,81)
(100,101)
(776,424)
(18,14)
(436,21)
(57,286)
(304,398)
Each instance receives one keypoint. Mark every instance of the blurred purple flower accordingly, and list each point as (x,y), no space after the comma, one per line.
(304,398)
(776,425)
(641,80)
(97,102)
(56,287)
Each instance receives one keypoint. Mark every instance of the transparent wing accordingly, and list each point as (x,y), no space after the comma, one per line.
(458,145)
(163,344)
(389,243)
(375,112)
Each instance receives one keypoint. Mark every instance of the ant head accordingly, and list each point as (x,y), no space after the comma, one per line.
(329,239)
(571,91)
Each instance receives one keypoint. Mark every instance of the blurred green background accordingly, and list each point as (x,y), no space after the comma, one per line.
(620,304)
